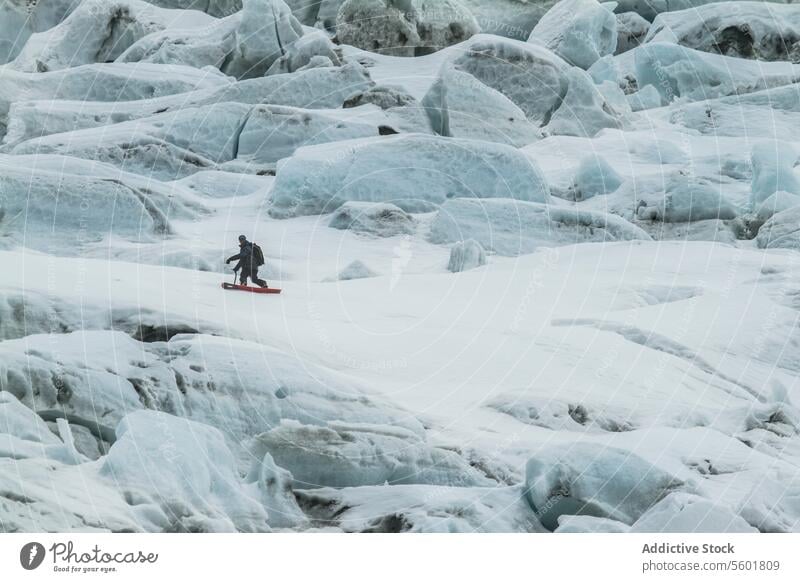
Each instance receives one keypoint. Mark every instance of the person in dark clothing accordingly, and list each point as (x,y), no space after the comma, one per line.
(247,263)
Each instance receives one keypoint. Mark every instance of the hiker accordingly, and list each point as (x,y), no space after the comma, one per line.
(250,259)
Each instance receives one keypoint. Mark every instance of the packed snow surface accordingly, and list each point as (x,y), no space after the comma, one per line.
(535,277)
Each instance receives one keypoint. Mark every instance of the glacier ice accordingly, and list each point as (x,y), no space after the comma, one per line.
(373,218)
(312,49)
(509,18)
(646,97)
(56,205)
(352,455)
(274,486)
(323,88)
(631,31)
(650,9)
(405,28)
(777,202)
(585,478)
(270,133)
(459,105)
(99,31)
(319,179)
(773,170)
(595,177)
(531,76)
(752,30)
(466,255)
(19,19)
(782,230)
(422,509)
(245,44)
(693,75)
(108,82)
(511,227)
(674,196)
(180,476)
(583,111)
(579,31)
(191,376)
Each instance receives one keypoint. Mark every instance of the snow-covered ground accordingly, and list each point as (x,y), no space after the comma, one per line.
(518,295)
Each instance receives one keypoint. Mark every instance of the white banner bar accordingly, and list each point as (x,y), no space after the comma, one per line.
(352,558)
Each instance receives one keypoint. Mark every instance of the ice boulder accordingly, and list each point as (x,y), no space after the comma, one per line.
(270,133)
(509,18)
(19,19)
(373,218)
(355,270)
(167,146)
(681,512)
(266,27)
(646,97)
(353,455)
(422,509)
(98,31)
(404,28)
(181,476)
(459,105)
(244,45)
(595,177)
(773,170)
(108,82)
(324,88)
(210,46)
(274,486)
(777,202)
(583,111)
(173,145)
(680,197)
(750,30)
(318,13)
(579,31)
(319,179)
(466,255)
(631,31)
(677,71)
(781,231)
(585,478)
(403,111)
(58,206)
(531,76)
(649,9)
(311,49)
(511,227)
(22,432)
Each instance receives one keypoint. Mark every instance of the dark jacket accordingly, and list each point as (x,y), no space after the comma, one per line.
(245,258)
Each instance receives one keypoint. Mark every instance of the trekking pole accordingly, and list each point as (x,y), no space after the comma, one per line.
(234,276)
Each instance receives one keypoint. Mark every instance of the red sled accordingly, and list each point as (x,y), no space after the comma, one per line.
(251,289)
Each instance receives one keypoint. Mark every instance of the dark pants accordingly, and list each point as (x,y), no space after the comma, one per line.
(253,275)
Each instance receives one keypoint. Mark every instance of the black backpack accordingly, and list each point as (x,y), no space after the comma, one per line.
(258,255)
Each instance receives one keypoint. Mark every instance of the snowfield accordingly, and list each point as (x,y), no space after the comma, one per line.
(540,271)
